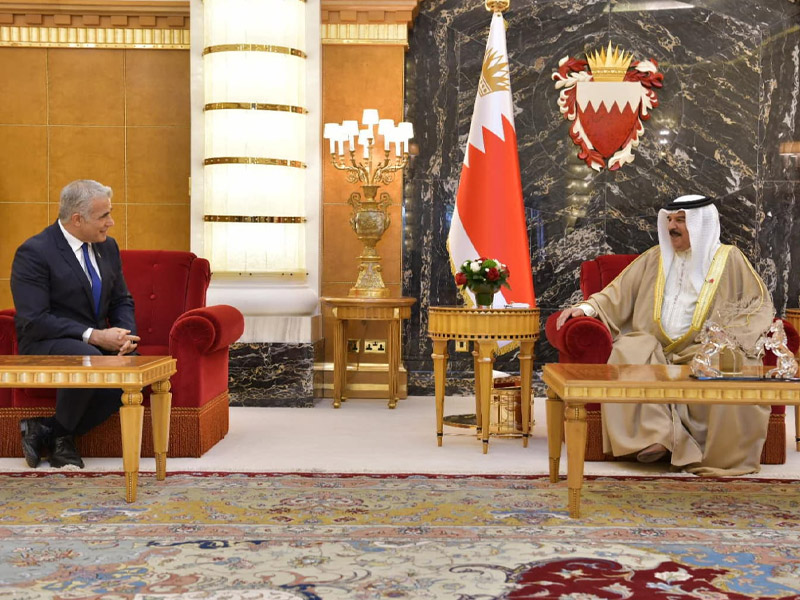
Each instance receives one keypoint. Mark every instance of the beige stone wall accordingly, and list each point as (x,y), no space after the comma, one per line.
(120,116)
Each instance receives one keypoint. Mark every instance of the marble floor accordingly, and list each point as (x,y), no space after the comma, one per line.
(364,436)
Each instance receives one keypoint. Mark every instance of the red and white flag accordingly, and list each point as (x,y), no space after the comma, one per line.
(489,217)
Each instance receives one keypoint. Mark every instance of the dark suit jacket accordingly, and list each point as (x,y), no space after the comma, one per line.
(53,296)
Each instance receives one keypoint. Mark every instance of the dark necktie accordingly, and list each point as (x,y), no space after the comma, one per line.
(96,283)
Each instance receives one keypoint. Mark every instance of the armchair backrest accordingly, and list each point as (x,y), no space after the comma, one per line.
(598,273)
(164,285)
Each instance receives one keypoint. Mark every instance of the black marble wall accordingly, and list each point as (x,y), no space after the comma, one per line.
(730,97)
(272,374)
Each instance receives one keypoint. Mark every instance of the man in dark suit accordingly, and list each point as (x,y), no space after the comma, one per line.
(71,298)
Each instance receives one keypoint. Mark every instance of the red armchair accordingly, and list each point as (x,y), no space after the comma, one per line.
(169,291)
(587,340)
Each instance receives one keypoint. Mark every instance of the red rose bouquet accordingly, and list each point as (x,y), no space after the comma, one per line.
(483,277)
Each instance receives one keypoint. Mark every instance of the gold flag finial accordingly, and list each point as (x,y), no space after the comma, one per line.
(608,65)
(497,5)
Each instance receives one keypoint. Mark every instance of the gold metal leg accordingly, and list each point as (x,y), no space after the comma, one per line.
(160,406)
(393,358)
(439,371)
(555,432)
(575,430)
(797,427)
(484,389)
(339,361)
(526,374)
(131,417)
(478,409)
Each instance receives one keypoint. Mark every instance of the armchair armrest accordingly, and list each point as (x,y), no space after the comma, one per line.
(580,340)
(207,329)
(199,340)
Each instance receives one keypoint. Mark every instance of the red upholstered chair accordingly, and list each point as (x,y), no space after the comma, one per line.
(169,291)
(587,340)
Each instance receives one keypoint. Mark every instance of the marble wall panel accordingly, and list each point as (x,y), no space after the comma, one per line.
(780,93)
(267,374)
(779,242)
(729,98)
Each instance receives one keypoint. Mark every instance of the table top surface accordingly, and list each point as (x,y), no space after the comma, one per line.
(486,312)
(654,376)
(361,302)
(81,363)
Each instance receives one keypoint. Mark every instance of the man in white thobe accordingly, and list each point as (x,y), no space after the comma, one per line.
(655,310)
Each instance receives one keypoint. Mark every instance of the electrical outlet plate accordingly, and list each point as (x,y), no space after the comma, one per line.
(462,346)
(352,345)
(374,346)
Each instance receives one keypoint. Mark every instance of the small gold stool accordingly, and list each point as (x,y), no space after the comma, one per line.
(505,410)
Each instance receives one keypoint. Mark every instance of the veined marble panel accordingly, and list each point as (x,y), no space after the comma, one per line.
(780,105)
(263,374)
(779,242)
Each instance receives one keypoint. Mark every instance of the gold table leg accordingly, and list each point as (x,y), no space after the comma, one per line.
(526,374)
(393,359)
(160,406)
(131,417)
(339,361)
(478,409)
(797,427)
(575,430)
(484,388)
(439,370)
(555,432)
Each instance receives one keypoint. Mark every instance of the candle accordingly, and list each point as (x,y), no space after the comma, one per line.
(405,132)
(350,129)
(385,128)
(331,133)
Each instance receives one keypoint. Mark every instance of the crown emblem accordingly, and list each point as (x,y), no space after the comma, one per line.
(494,74)
(607,65)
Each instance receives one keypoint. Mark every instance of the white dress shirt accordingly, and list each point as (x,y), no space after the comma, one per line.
(75,244)
(680,297)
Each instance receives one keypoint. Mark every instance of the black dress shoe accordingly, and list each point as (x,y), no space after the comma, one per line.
(65,453)
(36,440)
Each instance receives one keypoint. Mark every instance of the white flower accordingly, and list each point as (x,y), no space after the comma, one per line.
(670,576)
(475,266)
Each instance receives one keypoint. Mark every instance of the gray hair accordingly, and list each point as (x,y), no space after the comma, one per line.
(76,197)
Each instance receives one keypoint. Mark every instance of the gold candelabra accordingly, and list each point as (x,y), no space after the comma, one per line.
(369,217)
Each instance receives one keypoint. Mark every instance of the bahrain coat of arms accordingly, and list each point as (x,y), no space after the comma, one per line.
(607,103)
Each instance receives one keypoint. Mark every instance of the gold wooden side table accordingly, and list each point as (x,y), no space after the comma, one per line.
(393,310)
(793,316)
(131,373)
(484,327)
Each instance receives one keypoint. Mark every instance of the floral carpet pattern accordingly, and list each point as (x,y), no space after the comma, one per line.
(320,536)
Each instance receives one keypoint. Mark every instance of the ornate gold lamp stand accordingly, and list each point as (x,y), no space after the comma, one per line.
(369,218)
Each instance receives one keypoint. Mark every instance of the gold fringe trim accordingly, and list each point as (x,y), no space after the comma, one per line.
(193,431)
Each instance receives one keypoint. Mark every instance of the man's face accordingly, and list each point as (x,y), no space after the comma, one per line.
(94,229)
(678,234)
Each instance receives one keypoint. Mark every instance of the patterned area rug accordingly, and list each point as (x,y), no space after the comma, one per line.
(287,537)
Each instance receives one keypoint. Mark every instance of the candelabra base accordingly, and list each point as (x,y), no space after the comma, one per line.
(356,292)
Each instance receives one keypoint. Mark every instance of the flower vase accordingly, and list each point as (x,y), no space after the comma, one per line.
(484,295)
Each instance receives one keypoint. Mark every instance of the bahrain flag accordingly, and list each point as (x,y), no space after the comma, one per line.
(489,216)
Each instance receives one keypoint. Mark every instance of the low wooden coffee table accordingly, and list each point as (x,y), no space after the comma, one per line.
(130,373)
(571,386)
